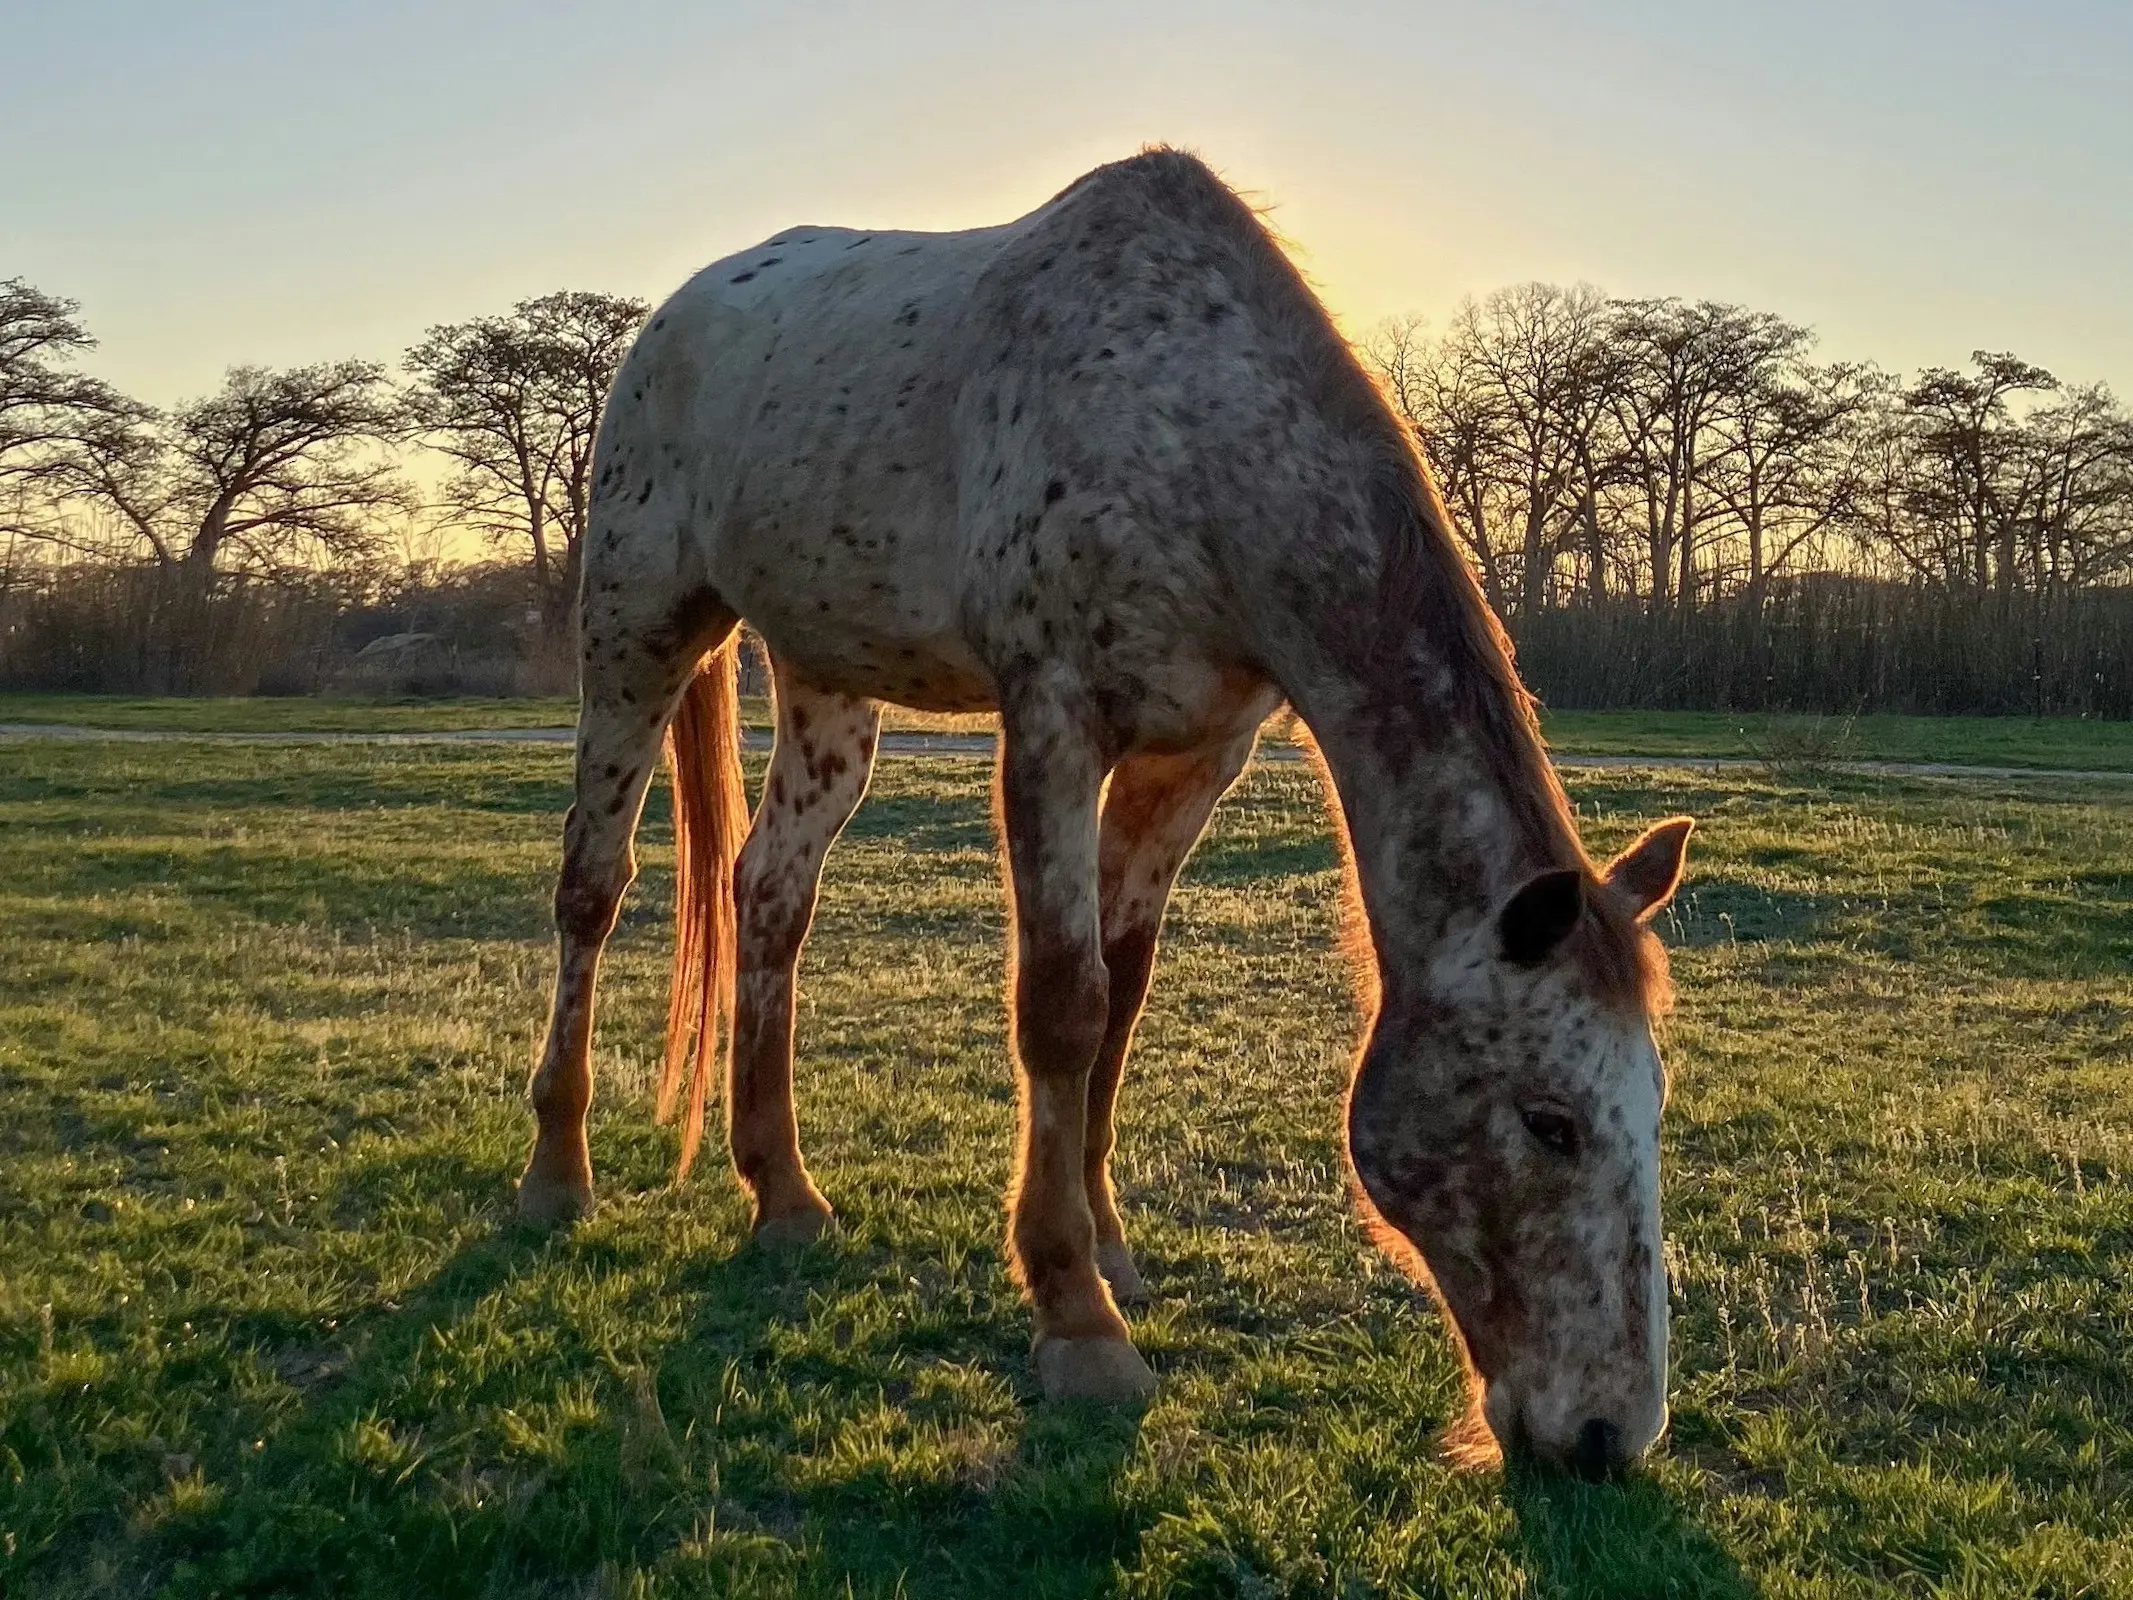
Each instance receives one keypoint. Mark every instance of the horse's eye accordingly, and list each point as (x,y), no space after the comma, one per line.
(1553,1129)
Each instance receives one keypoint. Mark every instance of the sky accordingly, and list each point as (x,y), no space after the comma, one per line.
(222,182)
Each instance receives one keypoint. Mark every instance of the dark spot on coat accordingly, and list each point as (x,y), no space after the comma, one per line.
(741,277)
(1054,492)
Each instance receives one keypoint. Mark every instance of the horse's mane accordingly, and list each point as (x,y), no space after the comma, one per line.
(1423,581)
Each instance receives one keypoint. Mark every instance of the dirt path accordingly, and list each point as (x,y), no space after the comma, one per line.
(980,745)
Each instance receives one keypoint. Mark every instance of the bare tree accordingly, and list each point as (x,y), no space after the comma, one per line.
(515,402)
(275,471)
(48,410)
(1785,459)
(2079,527)
(1677,365)
(1458,428)
(1969,477)
(1515,393)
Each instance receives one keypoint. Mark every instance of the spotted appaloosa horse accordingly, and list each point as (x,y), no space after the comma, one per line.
(1111,470)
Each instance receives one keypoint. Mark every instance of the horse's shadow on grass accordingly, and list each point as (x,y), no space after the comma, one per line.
(809,1421)
(754,1440)
(887,1453)
(1628,1539)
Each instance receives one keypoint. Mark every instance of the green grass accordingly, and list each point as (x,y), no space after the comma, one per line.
(266,1328)
(293,714)
(2054,743)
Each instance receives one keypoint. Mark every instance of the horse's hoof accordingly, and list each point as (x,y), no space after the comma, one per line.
(1115,1262)
(792,1230)
(1107,1371)
(546,1203)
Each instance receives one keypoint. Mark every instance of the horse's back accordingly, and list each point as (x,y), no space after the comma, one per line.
(920,463)
(799,396)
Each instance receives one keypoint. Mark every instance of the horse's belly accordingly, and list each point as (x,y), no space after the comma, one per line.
(934,672)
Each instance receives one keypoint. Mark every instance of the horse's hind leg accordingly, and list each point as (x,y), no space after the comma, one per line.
(1154,813)
(818,774)
(628,691)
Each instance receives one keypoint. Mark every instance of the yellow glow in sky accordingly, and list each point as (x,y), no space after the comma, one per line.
(266,183)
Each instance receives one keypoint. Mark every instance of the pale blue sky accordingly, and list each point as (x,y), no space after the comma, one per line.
(279,182)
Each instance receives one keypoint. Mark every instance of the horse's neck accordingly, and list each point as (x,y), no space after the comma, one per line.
(1435,836)
(1437,784)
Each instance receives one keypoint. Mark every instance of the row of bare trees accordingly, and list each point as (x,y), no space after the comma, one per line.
(1681,491)
(1681,454)
(306,467)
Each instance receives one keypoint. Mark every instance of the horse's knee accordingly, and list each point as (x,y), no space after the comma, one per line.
(1061,1007)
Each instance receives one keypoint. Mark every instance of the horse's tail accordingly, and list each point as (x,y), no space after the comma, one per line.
(710,817)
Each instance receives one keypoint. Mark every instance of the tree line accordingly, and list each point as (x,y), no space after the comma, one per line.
(1676,454)
(1669,501)
(285,473)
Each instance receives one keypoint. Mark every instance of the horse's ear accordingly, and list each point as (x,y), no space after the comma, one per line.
(1645,875)
(1540,916)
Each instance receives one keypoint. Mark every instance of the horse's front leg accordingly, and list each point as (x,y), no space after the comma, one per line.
(1154,812)
(1051,777)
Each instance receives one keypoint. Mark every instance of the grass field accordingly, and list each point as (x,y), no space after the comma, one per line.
(2056,743)
(266,1327)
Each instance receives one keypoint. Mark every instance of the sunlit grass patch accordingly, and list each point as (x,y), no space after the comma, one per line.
(266,1325)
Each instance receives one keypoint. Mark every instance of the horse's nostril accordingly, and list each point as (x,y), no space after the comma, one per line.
(1599,1449)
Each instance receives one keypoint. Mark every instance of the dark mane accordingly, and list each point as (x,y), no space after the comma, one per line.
(1424,583)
